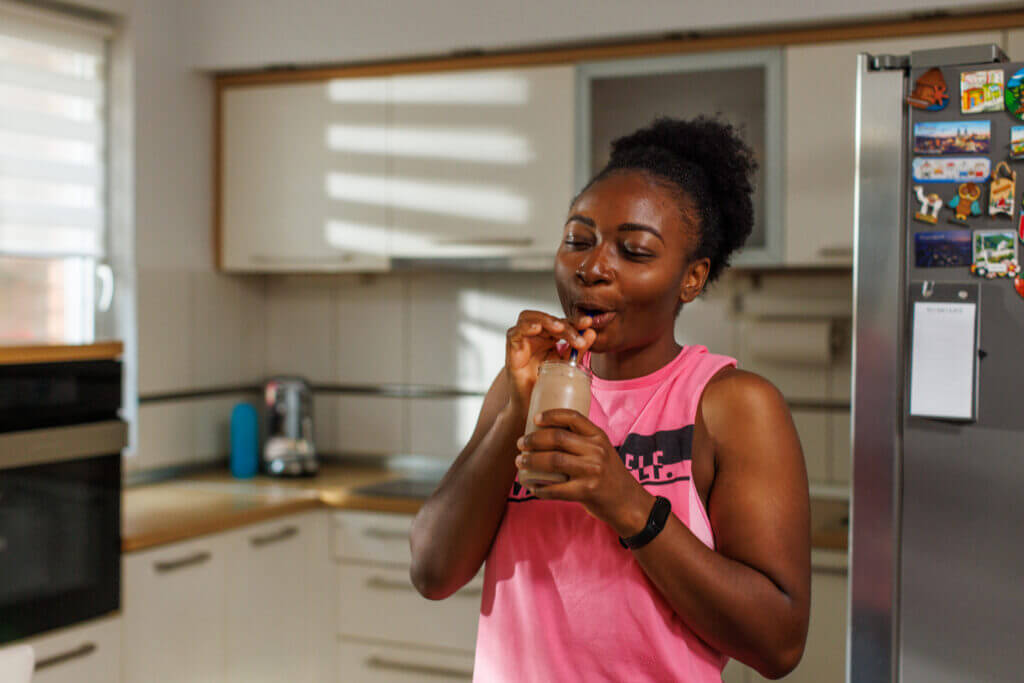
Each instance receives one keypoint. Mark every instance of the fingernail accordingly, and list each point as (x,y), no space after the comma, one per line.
(537,418)
(521,444)
(559,324)
(519,461)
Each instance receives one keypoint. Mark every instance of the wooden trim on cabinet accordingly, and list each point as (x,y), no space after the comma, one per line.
(57,353)
(648,48)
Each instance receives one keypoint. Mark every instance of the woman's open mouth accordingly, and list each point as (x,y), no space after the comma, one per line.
(601,316)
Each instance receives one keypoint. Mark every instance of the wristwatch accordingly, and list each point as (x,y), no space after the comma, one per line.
(655,523)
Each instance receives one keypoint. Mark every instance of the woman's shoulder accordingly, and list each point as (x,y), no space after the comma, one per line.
(735,397)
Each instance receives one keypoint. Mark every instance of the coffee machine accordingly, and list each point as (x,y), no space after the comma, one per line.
(289,450)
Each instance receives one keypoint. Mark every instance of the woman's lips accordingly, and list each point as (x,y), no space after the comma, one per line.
(599,318)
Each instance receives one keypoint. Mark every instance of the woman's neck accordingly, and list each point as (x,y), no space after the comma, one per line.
(632,363)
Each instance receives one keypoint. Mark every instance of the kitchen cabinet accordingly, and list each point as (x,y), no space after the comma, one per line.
(245,605)
(387,631)
(275,624)
(348,174)
(820,100)
(85,653)
(174,611)
(619,96)
(1014,47)
(282,169)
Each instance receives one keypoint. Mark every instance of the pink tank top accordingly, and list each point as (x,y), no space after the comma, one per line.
(562,600)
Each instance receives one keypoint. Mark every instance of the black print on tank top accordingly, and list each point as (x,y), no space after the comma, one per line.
(654,459)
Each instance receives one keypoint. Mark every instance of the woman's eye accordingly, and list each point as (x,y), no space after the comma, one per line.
(634,252)
(573,241)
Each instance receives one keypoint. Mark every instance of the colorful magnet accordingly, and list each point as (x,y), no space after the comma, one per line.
(942,249)
(1018,284)
(952,137)
(1014,95)
(930,205)
(930,91)
(1001,191)
(995,254)
(966,202)
(981,91)
(951,169)
(1017,142)
(1020,227)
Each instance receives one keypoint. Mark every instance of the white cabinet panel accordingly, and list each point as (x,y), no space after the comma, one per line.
(174,613)
(87,653)
(267,599)
(481,161)
(820,87)
(296,190)
(362,662)
(441,427)
(1015,45)
(381,602)
(371,537)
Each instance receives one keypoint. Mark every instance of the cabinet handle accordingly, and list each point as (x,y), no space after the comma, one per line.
(835,251)
(308,260)
(170,565)
(80,651)
(382,583)
(375,662)
(285,533)
(484,241)
(386,534)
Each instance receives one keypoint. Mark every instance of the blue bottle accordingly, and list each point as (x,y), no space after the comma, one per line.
(244,441)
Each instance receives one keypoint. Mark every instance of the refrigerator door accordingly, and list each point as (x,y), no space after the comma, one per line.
(961,600)
(877,370)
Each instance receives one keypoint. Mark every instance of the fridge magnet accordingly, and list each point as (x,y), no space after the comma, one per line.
(951,169)
(995,254)
(930,205)
(930,91)
(1020,227)
(1001,191)
(965,203)
(952,137)
(942,249)
(981,91)
(1018,284)
(1017,142)
(1014,95)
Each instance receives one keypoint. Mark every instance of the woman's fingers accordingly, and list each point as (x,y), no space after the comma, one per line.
(569,419)
(555,461)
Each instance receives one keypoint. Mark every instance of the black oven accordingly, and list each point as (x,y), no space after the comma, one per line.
(60,494)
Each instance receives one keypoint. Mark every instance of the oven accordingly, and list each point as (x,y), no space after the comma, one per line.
(60,494)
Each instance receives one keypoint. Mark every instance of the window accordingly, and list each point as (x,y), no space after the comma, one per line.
(53,197)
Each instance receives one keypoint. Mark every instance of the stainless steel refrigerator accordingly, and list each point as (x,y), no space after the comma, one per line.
(937,539)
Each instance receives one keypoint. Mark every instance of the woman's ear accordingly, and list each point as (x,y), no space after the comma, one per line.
(693,281)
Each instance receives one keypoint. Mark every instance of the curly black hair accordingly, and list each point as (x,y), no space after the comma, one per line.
(708,165)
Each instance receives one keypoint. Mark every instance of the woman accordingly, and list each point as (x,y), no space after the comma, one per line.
(727,573)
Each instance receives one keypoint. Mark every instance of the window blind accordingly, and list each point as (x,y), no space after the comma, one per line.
(52,135)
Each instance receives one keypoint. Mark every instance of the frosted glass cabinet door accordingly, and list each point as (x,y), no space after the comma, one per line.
(481,162)
(301,170)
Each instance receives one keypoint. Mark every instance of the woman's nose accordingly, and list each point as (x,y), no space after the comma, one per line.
(594,268)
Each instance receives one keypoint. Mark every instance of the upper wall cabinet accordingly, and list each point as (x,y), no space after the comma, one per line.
(617,97)
(821,99)
(353,174)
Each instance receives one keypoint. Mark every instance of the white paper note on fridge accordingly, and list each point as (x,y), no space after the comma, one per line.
(942,360)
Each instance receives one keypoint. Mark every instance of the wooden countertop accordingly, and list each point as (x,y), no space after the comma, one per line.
(176,510)
(56,353)
(156,514)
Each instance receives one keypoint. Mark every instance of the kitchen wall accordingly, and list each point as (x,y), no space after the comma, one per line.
(447,330)
(241,33)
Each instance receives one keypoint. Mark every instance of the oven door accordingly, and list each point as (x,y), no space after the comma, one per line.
(60,526)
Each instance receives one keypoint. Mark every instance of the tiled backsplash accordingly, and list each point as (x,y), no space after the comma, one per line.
(203,330)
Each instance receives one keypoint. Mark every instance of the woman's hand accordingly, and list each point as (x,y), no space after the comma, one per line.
(568,442)
(533,340)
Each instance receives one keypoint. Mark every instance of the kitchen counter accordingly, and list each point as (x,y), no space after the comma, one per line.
(176,510)
(207,503)
(55,353)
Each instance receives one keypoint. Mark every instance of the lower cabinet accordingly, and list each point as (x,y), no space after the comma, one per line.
(247,605)
(87,653)
(362,662)
(388,632)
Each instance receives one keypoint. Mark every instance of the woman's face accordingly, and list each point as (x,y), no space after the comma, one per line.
(624,261)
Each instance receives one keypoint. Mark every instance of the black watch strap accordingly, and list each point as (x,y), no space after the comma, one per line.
(655,523)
